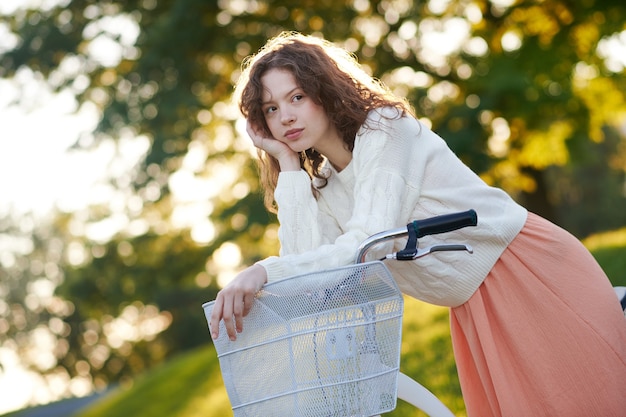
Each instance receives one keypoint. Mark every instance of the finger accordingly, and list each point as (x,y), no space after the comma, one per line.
(228,319)
(248,302)
(250,129)
(257,140)
(216,316)
(238,310)
(254,134)
(257,136)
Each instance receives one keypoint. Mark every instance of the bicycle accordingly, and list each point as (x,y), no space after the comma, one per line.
(330,340)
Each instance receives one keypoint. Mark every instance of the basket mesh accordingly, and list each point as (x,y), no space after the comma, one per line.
(321,344)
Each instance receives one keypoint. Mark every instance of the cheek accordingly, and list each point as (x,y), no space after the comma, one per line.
(271,126)
(319,113)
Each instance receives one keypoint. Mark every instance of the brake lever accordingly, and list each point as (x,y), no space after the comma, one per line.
(435,248)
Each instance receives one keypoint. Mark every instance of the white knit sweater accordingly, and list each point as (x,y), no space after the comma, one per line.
(400,171)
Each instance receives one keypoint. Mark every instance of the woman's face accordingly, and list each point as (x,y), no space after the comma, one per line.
(294,118)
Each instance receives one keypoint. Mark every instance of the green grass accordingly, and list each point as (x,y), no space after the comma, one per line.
(191,384)
(187,386)
(609,249)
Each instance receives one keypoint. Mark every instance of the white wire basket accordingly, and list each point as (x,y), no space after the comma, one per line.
(322,344)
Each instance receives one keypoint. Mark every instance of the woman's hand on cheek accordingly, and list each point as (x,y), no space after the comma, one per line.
(287,158)
(235,300)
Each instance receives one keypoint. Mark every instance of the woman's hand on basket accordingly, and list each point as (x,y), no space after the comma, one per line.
(235,300)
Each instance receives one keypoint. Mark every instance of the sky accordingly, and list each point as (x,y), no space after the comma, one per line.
(36,166)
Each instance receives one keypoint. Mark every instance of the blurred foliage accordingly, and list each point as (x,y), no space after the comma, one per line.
(31,259)
(124,281)
(523,92)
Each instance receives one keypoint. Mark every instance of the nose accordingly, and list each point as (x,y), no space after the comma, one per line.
(287,118)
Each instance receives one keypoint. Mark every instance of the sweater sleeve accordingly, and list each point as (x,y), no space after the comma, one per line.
(302,225)
(378,197)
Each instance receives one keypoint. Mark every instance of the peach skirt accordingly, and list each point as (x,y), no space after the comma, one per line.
(544,335)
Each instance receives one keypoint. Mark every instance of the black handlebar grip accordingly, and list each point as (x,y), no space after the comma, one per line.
(444,223)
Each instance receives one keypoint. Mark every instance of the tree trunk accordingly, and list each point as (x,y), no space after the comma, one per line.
(538,201)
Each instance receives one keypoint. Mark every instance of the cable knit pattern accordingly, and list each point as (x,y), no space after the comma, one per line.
(400,171)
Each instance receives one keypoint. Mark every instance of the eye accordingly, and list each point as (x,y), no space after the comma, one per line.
(270,109)
(298,97)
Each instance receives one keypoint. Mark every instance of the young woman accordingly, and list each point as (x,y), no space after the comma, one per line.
(536,327)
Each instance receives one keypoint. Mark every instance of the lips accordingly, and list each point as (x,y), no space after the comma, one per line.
(293,134)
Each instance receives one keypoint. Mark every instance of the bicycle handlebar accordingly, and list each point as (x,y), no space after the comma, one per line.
(420,228)
(444,223)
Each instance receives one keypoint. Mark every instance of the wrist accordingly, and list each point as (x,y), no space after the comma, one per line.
(289,163)
(261,272)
